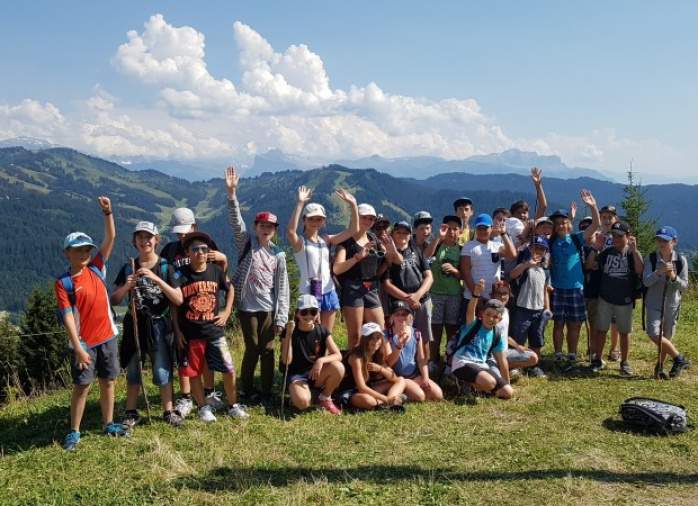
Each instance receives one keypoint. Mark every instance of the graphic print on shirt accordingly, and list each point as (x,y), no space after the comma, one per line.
(201,300)
(262,270)
(616,266)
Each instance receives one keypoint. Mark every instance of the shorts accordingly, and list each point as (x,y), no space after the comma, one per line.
(160,359)
(104,363)
(514,355)
(653,317)
(213,352)
(528,325)
(422,320)
(568,305)
(360,294)
(606,312)
(592,311)
(445,309)
(329,301)
(469,370)
(300,378)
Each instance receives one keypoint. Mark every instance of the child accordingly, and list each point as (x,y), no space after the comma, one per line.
(261,283)
(406,356)
(83,302)
(152,283)
(312,252)
(463,207)
(368,382)
(666,276)
(314,360)
(202,325)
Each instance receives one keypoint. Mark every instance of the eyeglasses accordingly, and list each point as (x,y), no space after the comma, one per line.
(199,249)
(306,312)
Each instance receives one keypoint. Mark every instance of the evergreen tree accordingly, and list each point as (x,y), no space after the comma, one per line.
(635,205)
(10,356)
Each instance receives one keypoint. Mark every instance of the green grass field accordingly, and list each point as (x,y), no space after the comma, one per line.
(559,441)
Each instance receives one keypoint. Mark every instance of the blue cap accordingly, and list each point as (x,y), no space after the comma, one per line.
(667,233)
(78,239)
(541,241)
(483,220)
(402,224)
(560,213)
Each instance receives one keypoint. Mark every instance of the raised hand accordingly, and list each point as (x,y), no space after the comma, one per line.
(105,204)
(443,231)
(479,288)
(573,210)
(304,194)
(632,243)
(345,196)
(536,176)
(232,178)
(588,198)
(361,254)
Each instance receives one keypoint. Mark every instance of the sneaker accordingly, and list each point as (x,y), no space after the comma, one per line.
(597,365)
(514,375)
(114,429)
(70,443)
(131,418)
(330,406)
(206,413)
(184,406)
(559,357)
(572,357)
(659,372)
(613,356)
(625,369)
(680,363)
(238,411)
(535,372)
(214,400)
(173,418)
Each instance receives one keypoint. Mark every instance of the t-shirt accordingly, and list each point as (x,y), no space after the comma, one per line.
(366,269)
(592,278)
(445,284)
(533,284)
(465,235)
(503,325)
(258,292)
(485,263)
(92,312)
(477,349)
(307,348)
(313,261)
(408,276)
(200,307)
(406,365)
(617,276)
(567,262)
(149,296)
(175,254)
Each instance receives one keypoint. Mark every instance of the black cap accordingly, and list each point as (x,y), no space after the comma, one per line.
(462,201)
(449,218)
(197,236)
(560,213)
(609,209)
(402,224)
(400,305)
(620,228)
(382,220)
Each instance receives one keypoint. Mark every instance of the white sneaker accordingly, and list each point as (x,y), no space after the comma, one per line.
(206,414)
(214,400)
(184,406)
(238,411)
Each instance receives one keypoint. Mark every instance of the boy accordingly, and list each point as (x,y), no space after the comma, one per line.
(621,267)
(422,233)
(152,284)
(666,276)
(83,302)
(202,325)
(609,216)
(463,207)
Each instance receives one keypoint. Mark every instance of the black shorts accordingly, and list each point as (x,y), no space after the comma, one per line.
(469,371)
(360,294)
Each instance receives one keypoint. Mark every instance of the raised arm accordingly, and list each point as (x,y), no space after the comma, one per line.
(589,200)
(232,179)
(507,249)
(302,196)
(537,177)
(353,218)
(109,228)
(637,257)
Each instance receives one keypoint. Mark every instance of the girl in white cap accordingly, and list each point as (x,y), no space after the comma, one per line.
(312,251)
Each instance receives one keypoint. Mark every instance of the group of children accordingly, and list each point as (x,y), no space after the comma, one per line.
(492,288)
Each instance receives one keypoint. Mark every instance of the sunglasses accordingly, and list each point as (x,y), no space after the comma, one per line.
(306,312)
(199,249)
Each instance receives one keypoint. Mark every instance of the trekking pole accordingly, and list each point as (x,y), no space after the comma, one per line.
(289,331)
(586,325)
(658,368)
(136,337)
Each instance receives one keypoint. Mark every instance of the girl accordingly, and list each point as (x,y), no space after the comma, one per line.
(406,356)
(312,252)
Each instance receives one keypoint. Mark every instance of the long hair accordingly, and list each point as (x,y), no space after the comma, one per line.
(364,353)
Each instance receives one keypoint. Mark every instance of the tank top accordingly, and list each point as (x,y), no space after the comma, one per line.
(313,261)
(406,365)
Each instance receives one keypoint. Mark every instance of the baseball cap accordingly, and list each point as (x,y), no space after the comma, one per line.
(543,219)
(483,220)
(495,304)
(266,216)
(78,239)
(400,305)
(422,217)
(370,328)
(449,218)
(367,210)
(307,301)
(314,209)
(608,209)
(146,226)
(667,233)
(382,221)
(541,241)
(462,201)
(560,213)
(182,220)
(620,228)
(402,224)
(587,219)
(198,236)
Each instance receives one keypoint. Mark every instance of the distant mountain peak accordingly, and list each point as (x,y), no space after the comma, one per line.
(29,143)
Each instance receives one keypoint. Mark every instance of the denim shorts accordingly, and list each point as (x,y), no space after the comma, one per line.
(160,358)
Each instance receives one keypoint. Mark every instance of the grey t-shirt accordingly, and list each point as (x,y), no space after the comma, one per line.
(257,294)
(532,292)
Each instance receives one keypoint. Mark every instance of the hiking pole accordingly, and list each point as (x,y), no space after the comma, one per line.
(136,338)
(586,325)
(289,331)
(657,369)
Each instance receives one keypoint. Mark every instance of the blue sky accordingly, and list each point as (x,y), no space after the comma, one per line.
(597,83)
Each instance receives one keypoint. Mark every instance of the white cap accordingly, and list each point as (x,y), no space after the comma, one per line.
(515,227)
(146,226)
(182,220)
(370,328)
(367,210)
(314,209)
(307,301)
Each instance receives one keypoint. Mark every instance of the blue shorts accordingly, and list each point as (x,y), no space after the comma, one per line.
(528,325)
(160,359)
(104,363)
(329,301)
(568,305)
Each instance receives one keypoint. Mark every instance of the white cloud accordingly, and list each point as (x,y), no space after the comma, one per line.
(31,118)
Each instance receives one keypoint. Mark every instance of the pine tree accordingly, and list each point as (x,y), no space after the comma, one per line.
(635,204)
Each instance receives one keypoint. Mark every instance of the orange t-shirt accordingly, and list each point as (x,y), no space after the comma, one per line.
(92,311)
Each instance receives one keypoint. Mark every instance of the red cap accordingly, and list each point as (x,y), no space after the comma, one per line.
(266,216)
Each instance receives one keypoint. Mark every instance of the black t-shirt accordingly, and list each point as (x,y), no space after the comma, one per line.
(175,255)
(617,276)
(408,276)
(592,278)
(366,269)
(200,307)
(307,348)
(149,297)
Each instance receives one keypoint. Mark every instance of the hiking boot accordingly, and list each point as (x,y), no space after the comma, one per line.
(535,372)
(173,418)
(514,375)
(625,369)
(184,406)
(131,418)
(613,356)
(114,429)
(680,363)
(214,400)
(70,443)
(329,406)
(238,411)
(206,414)
(559,357)
(659,372)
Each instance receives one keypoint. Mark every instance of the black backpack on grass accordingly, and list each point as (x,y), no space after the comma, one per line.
(654,416)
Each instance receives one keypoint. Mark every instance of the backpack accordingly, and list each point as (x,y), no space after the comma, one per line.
(462,338)
(654,416)
(678,267)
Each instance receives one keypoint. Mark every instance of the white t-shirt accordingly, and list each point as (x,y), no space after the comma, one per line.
(316,264)
(503,326)
(485,263)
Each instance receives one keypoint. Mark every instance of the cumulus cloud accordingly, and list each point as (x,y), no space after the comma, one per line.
(31,118)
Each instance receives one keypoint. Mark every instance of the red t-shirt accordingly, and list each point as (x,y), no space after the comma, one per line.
(92,312)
